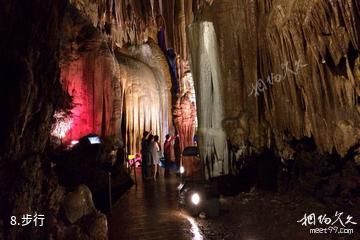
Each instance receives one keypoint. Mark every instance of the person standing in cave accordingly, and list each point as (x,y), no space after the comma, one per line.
(155,154)
(145,155)
(177,151)
(120,156)
(169,152)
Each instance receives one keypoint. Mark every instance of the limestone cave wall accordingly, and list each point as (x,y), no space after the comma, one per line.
(277,71)
(30,94)
(64,66)
(90,76)
(289,68)
(109,47)
(98,81)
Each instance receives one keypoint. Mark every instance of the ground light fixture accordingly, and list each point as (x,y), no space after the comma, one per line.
(195,198)
(196,194)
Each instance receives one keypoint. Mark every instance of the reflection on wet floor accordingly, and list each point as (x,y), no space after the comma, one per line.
(149,211)
(194,229)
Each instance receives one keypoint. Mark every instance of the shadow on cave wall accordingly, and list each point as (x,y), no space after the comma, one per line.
(327,177)
(251,172)
(332,179)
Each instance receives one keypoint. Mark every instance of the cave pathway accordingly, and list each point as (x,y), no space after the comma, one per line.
(149,211)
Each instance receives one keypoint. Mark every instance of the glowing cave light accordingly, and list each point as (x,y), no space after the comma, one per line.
(195,198)
(94,140)
(62,125)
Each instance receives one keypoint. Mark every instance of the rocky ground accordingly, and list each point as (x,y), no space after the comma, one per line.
(267,216)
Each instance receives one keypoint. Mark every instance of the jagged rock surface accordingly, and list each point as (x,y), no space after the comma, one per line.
(31,92)
(255,39)
(268,38)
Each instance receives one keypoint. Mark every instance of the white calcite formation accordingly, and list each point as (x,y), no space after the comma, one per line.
(257,39)
(207,77)
(273,68)
(142,100)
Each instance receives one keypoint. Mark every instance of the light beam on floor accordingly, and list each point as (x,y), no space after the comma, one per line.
(194,229)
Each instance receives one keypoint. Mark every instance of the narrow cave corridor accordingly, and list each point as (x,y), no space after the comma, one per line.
(180,119)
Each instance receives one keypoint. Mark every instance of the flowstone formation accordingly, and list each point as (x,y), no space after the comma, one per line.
(207,73)
(289,90)
(289,67)
(65,81)
(278,78)
(119,70)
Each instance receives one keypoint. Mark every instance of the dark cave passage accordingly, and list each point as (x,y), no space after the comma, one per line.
(255,105)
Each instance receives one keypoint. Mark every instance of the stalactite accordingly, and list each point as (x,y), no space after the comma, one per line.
(270,41)
(207,77)
(118,23)
(161,7)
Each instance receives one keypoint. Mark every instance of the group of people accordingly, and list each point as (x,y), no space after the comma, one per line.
(151,152)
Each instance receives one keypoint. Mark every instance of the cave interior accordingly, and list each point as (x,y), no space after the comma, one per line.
(268,90)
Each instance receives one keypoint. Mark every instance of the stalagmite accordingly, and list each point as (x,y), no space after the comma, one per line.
(207,77)
(185,119)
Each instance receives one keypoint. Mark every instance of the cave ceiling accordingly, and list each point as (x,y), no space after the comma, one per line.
(286,66)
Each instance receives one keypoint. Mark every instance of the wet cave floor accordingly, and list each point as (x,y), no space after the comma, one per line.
(149,211)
